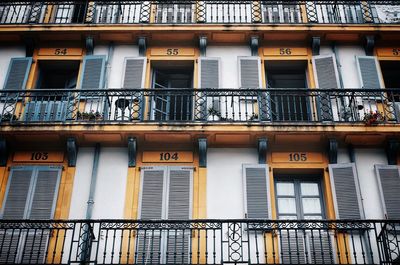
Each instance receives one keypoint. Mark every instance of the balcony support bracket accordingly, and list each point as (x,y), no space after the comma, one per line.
(262,150)
(392,148)
(72,151)
(369,45)
(333,151)
(3,152)
(203,152)
(254,43)
(89,45)
(132,150)
(315,45)
(203,45)
(142,46)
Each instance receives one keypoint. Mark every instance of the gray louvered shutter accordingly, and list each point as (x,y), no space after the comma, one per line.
(327,77)
(17,74)
(249,72)
(292,246)
(320,247)
(134,72)
(209,77)
(93,72)
(15,202)
(151,201)
(368,72)
(389,187)
(256,191)
(346,192)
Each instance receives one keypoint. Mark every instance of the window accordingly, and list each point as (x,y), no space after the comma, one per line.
(172,105)
(299,199)
(166,193)
(31,194)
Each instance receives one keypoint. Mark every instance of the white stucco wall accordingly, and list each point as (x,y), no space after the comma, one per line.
(347,56)
(6,53)
(80,190)
(365,160)
(109,200)
(229,62)
(343,156)
(224,181)
(117,63)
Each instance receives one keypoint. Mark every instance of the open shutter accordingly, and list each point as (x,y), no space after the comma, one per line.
(389,187)
(179,208)
(256,192)
(327,77)
(209,77)
(368,71)
(249,72)
(134,74)
(346,191)
(17,74)
(93,72)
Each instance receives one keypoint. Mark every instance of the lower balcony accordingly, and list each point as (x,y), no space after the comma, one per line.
(199,242)
(201,106)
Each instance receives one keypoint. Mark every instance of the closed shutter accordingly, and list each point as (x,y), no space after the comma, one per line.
(93,72)
(327,77)
(292,246)
(249,72)
(256,191)
(368,71)
(346,191)
(389,187)
(134,72)
(209,77)
(320,247)
(17,74)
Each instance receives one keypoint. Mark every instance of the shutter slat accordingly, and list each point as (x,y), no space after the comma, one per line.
(134,71)
(389,180)
(15,202)
(256,191)
(346,192)
(178,247)
(320,248)
(18,72)
(152,194)
(93,72)
(45,194)
(249,72)
(368,72)
(35,246)
(292,247)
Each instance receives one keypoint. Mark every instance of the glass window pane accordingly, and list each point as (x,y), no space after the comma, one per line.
(309,189)
(288,217)
(311,205)
(285,188)
(286,206)
(312,217)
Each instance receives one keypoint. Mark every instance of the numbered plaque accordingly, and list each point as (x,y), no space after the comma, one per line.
(39,157)
(167,157)
(388,52)
(60,52)
(296,157)
(285,51)
(172,51)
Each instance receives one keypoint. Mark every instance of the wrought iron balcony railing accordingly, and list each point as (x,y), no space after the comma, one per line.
(203,12)
(257,106)
(199,242)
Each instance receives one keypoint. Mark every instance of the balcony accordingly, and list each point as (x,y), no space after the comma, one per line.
(322,107)
(199,242)
(87,12)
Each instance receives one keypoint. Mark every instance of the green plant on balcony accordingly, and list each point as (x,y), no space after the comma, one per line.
(8,117)
(374,118)
(89,116)
(253,117)
(213,114)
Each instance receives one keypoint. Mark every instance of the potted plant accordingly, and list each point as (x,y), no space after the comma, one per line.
(8,117)
(253,117)
(89,116)
(374,118)
(213,114)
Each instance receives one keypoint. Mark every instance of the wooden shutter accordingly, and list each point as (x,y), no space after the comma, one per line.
(93,72)
(368,71)
(134,74)
(249,72)
(209,72)
(346,191)
(17,74)
(152,192)
(256,192)
(15,202)
(179,193)
(292,246)
(389,188)
(320,247)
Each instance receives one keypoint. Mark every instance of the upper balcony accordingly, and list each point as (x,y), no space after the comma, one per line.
(191,12)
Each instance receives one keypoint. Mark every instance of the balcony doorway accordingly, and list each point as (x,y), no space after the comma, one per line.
(281,75)
(390,72)
(170,101)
